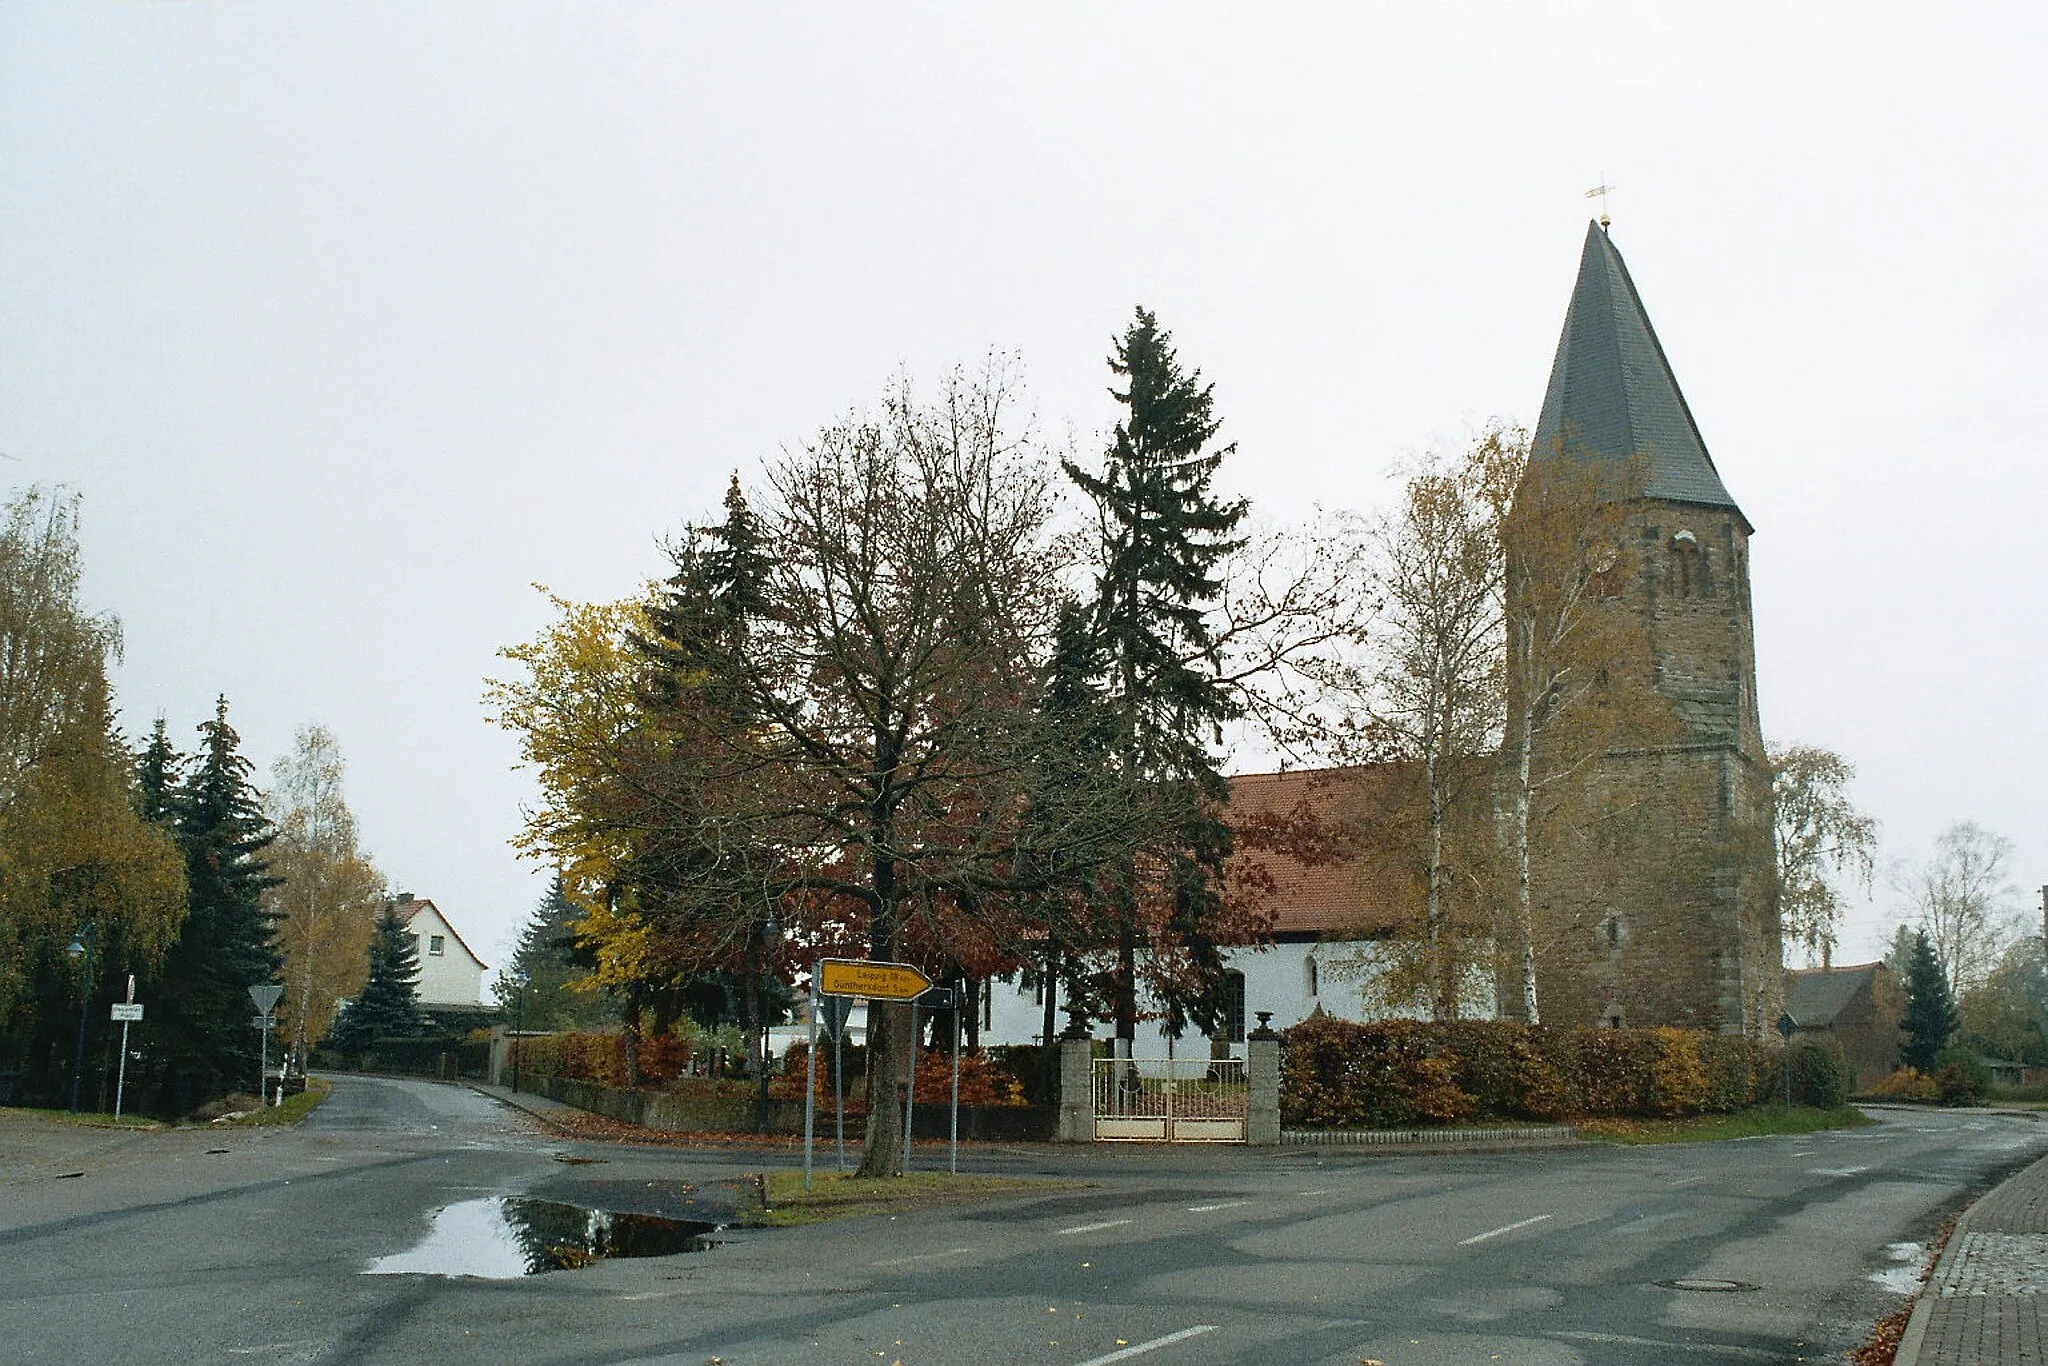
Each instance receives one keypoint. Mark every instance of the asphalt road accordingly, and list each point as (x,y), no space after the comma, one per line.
(253,1246)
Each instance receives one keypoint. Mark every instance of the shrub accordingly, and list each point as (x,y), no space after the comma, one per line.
(1337,1074)
(1960,1078)
(1908,1083)
(1824,1076)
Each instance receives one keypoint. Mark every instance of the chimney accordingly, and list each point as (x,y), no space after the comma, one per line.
(404,897)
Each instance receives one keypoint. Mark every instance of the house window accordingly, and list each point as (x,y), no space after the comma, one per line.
(437,945)
(1311,975)
(1233,1005)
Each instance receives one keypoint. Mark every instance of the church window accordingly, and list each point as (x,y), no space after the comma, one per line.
(1685,558)
(1613,930)
(1310,974)
(1233,1005)
(1606,578)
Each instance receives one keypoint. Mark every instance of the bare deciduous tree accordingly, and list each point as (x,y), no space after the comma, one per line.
(1963,897)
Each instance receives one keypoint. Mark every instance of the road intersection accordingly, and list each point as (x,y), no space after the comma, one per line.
(251,1246)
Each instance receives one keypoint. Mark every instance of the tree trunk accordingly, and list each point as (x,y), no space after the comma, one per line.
(1525,914)
(888,1024)
(888,1035)
(632,1040)
(1439,970)
(1127,975)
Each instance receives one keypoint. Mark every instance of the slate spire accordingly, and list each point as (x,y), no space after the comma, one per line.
(1612,394)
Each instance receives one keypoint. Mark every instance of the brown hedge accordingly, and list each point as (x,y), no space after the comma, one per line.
(1337,1074)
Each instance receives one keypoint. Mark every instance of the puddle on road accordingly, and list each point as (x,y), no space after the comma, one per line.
(1905,1278)
(505,1236)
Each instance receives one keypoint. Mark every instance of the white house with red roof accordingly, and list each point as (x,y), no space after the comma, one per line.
(1320,953)
(451,975)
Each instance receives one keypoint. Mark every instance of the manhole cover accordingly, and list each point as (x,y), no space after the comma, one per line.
(1707,1284)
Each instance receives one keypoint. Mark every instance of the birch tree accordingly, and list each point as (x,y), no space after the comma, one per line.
(329,894)
(1963,898)
(1569,634)
(1439,690)
(1822,836)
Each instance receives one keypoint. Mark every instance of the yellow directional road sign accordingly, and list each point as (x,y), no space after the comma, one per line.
(876,981)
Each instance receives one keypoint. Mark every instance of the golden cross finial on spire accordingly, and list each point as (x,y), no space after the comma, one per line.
(1599,192)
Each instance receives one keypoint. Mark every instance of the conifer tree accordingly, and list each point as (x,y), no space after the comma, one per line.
(200,1007)
(387,1007)
(1163,533)
(159,771)
(534,989)
(1930,1018)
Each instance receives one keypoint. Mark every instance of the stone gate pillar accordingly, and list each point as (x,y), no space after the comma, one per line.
(1262,1075)
(1077,1090)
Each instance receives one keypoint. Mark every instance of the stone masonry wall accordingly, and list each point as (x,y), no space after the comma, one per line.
(1653,908)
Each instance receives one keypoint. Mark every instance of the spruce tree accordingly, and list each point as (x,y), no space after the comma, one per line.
(158,772)
(203,1043)
(1163,534)
(387,1008)
(534,989)
(1930,1017)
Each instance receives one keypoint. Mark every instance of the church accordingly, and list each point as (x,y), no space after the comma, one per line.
(1659,910)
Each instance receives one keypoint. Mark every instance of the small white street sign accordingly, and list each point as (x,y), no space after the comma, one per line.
(127,1010)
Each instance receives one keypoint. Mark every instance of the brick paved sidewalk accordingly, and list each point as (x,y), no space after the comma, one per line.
(1987,1299)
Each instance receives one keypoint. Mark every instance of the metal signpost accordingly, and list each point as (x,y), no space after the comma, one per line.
(833,982)
(953,1155)
(1787,1027)
(837,1011)
(265,996)
(810,1079)
(127,1012)
(938,998)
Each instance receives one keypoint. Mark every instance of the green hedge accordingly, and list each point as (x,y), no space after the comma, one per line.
(1336,1074)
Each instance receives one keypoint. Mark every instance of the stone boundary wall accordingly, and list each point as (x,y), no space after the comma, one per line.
(672,1112)
(1436,1138)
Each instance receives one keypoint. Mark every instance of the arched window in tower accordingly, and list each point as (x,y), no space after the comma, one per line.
(1605,581)
(1685,561)
(1311,976)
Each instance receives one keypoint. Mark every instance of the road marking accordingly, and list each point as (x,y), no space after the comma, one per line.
(1225,1204)
(1496,1232)
(922,1257)
(1719,1349)
(1091,1228)
(1838,1171)
(1303,1195)
(1126,1353)
(1687,1181)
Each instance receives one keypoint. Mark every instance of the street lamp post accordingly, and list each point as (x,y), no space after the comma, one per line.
(81,946)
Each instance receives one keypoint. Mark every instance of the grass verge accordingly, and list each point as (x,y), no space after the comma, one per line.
(836,1196)
(87,1119)
(1756,1123)
(294,1109)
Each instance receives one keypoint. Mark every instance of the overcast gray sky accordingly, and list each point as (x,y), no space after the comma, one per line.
(352,321)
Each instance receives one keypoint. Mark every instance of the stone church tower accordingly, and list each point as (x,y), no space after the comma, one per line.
(1656,908)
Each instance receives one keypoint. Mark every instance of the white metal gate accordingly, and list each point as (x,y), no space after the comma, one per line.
(1170,1100)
